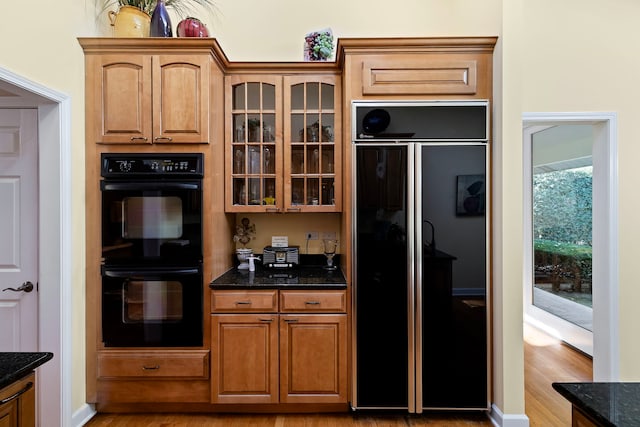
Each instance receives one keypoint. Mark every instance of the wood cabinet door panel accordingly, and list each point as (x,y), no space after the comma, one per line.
(180,98)
(245,358)
(123,105)
(313,358)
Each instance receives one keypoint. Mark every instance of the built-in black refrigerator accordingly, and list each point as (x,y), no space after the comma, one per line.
(421,294)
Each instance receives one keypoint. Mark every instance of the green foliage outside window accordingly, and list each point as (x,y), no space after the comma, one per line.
(562,226)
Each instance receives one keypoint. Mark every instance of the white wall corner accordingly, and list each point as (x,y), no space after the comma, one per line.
(507,420)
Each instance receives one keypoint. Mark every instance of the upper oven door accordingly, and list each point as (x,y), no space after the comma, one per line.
(151,222)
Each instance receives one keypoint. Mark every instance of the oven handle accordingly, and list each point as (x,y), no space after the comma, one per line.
(130,273)
(133,186)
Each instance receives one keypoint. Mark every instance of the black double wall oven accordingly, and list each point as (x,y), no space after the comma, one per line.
(152,280)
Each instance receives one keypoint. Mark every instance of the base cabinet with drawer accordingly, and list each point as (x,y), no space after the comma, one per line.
(293,351)
(131,376)
(18,403)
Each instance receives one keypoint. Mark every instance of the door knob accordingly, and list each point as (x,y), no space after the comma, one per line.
(25,287)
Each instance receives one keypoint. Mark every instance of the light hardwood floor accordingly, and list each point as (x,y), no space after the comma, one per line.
(546,361)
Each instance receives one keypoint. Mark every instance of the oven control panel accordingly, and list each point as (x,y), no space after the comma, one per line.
(115,165)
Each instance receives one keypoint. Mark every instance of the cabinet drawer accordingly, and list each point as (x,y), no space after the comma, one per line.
(161,364)
(244,301)
(313,301)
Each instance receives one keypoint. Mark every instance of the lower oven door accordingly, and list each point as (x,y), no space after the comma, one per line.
(152,307)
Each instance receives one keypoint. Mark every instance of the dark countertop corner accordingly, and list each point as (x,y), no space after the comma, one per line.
(610,404)
(15,365)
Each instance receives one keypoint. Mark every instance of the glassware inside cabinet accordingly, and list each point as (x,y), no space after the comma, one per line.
(327,192)
(297,159)
(254,160)
(269,191)
(327,159)
(297,191)
(313,159)
(238,159)
(239,193)
(268,159)
(313,193)
(254,191)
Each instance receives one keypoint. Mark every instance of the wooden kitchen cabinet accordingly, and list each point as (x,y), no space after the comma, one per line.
(297,356)
(141,98)
(138,376)
(283,143)
(18,407)
(313,358)
(245,358)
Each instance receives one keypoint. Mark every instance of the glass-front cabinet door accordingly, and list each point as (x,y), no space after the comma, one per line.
(254,144)
(311,152)
(282,146)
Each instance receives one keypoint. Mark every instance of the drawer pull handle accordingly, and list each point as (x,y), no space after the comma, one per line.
(243,302)
(294,209)
(139,138)
(163,138)
(150,368)
(15,396)
(312,302)
(266,320)
(291,320)
(271,209)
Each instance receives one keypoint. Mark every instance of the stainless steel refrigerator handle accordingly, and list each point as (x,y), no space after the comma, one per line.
(411,278)
(418,269)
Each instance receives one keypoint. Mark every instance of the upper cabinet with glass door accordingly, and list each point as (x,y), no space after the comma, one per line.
(254,154)
(282,161)
(311,144)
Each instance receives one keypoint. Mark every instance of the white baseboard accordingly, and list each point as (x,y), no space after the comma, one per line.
(509,420)
(83,415)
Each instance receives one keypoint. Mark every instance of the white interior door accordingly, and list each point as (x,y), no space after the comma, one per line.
(18,230)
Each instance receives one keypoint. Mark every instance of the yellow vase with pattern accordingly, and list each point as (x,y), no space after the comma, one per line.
(130,21)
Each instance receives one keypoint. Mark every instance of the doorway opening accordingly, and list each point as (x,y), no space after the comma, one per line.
(570,188)
(54,224)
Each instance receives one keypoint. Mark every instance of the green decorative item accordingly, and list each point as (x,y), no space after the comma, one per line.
(318,45)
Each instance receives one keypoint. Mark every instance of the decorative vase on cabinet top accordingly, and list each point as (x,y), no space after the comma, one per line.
(129,21)
(160,21)
(191,27)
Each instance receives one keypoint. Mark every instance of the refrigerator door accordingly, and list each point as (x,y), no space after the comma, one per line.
(382,278)
(420,282)
(451,200)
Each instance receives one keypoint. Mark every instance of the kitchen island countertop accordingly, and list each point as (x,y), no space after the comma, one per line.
(607,404)
(15,365)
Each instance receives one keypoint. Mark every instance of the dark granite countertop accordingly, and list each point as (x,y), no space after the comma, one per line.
(307,276)
(610,404)
(14,366)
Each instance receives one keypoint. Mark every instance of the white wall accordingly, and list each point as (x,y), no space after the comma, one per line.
(580,55)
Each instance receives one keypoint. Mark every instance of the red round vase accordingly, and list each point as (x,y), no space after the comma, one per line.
(192,27)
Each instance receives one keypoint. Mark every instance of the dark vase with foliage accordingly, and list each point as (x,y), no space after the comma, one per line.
(160,21)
